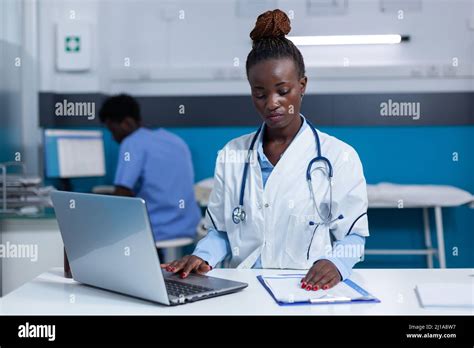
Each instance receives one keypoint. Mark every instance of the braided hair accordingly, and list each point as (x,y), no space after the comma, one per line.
(269,41)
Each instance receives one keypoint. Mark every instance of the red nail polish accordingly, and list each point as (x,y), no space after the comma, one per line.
(303,286)
(325,287)
(308,287)
(315,287)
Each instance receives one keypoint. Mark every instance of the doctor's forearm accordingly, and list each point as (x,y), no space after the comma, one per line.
(346,253)
(214,247)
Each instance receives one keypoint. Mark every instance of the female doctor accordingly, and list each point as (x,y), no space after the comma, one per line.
(299,199)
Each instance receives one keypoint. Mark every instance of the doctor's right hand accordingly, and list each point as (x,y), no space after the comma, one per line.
(186,265)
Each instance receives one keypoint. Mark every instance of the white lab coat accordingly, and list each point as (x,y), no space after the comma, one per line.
(277,224)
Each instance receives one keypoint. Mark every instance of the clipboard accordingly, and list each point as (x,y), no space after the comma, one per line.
(365,296)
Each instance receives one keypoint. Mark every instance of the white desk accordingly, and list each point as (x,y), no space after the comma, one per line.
(51,294)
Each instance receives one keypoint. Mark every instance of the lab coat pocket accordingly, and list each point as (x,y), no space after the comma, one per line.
(297,241)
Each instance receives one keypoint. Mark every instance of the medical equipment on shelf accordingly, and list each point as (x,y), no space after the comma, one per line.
(21,194)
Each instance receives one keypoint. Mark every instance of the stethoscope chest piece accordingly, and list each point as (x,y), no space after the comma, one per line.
(238,215)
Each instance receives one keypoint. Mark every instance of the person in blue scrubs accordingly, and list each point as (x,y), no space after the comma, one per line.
(154,165)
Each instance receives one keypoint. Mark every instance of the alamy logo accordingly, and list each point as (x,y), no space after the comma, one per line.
(236,156)
(28,251)
(406,109)
(66,108)
(37,331)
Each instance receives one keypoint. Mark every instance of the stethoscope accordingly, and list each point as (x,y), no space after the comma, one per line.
(239,215)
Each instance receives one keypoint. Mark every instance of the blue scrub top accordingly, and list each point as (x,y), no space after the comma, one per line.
(156,165)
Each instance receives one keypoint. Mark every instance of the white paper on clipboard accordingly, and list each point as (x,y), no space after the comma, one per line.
(287,289)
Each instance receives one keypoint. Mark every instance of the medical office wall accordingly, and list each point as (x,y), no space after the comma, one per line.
(185,61)
(10,94)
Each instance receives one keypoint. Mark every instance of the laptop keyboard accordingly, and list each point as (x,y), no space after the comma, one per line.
(178,289)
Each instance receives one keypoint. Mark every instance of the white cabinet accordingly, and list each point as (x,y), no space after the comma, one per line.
(28,247)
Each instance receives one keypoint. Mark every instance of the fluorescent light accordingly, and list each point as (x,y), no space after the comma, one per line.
(347,40)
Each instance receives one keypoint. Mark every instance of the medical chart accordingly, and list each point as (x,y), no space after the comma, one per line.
(287,288)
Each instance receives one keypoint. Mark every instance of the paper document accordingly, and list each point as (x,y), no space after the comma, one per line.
(79,157)
(287,289)
(446,294)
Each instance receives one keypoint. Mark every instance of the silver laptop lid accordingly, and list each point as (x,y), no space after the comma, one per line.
(109,243)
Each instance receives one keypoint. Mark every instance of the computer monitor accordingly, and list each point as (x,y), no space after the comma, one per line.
(74,153)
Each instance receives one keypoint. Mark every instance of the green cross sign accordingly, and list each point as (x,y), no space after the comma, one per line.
(72,43)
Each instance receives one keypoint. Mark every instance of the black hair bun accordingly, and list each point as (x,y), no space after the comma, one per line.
(271,24)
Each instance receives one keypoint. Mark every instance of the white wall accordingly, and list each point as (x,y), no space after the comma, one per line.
(195,55)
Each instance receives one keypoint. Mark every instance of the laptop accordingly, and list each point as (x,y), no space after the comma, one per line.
(110,245)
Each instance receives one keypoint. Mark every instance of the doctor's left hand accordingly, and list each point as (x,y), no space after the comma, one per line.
(323,275)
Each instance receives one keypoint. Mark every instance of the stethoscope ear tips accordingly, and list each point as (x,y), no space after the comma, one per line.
(312,223)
